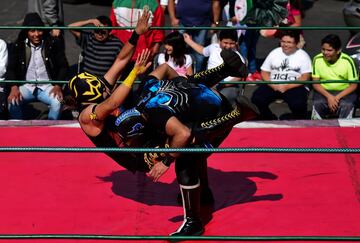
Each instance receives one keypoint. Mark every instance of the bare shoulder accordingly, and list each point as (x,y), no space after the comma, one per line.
(89,125)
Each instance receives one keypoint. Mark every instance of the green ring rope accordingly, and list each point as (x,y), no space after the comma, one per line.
(232,82)
(5,27)
(181,150)
(173,238)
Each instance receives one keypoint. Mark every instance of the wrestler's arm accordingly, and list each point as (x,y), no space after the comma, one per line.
(164,71)
(178,136)
(119,95)
(92,118)
(128,49)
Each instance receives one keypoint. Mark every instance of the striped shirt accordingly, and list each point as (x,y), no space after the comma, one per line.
(98,56)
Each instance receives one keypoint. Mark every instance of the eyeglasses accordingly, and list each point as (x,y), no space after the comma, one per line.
(101,32)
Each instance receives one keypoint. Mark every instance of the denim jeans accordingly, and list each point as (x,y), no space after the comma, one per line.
(320,109)
(16,111)
(3,110)
(199,36)
(248,48)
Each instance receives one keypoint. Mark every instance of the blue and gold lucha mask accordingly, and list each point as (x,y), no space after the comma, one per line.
(130,124)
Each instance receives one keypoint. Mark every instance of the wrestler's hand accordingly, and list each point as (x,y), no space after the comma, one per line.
(141,60)
(143,22)
(157,171)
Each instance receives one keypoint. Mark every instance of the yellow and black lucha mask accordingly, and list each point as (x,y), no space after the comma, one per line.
(87,88)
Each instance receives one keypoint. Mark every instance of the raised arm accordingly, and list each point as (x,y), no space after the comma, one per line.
(76,32)
(119,95)
(92,117)
(197,47)
(128,50)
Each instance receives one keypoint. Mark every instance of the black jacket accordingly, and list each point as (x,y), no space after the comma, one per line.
(53,55)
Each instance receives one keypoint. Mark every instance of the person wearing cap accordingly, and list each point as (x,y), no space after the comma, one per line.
(36,56)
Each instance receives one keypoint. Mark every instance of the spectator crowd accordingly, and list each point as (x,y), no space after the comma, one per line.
(38,57)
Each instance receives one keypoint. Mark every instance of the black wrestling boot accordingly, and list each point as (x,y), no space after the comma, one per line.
(206,197)
(232,66)
(192,224)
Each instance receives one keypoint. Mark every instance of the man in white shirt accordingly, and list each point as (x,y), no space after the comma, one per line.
(285,63)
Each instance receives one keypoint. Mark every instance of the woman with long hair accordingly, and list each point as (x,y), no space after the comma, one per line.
(175,54)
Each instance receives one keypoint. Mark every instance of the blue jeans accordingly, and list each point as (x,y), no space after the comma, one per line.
(15,111)
(248,48)
(199,36)
(320,109)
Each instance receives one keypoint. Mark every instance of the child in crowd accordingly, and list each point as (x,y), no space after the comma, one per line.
(227,40)
(174,54)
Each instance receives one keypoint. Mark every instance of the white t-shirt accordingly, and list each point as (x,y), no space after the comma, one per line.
(284,67)
(180,70)
(213,52)
(3,61)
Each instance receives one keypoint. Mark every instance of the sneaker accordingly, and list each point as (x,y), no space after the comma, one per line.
(256,76)
(190,227)
(249,77)
(252,77)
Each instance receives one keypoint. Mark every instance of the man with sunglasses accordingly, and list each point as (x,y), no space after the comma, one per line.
(99,47)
